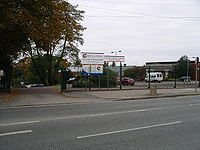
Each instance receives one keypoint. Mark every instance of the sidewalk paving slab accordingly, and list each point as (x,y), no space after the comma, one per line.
(51,96)
(133,94)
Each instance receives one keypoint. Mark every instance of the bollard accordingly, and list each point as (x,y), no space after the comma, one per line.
(153,90)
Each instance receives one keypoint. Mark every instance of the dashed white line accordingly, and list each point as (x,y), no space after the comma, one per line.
(16,132)
(195,104)
(104,114)
(81,116)
(126,130)
(18,123)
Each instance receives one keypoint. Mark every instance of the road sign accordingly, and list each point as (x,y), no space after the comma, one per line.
(93,70)
(108,58)
(89,58)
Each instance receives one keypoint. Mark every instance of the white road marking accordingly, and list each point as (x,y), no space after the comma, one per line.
(126,130)
(195,104)
(16,132)
(18,123)
(104,114)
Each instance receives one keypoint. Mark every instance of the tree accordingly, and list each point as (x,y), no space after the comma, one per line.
(182,66)
(137,73)
(12,41)
(48,27)
(108,75)
(25,71)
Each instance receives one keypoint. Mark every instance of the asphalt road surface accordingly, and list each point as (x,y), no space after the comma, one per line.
(160,124)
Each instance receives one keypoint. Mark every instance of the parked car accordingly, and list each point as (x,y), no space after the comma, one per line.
(71,80)
(185,79)
(128,81)
(34,85)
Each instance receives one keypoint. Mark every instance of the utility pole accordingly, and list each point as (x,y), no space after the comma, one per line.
(199,76)
(120,72)
(120,75)
(175,76)
(149,78)
(108,77)
(196,62)
(90,78)
(187,69)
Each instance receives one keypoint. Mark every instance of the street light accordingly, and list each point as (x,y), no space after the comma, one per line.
(196,67)
(188,67)
(120,72)
(116,52)
(196,63)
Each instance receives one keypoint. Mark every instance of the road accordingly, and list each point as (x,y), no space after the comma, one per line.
(160,124)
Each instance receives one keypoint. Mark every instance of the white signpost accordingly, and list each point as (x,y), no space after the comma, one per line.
(88,58)
(92,63)
(93,70)
(108,58)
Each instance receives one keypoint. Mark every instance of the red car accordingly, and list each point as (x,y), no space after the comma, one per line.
(128,81)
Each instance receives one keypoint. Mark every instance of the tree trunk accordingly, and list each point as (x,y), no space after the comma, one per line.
(35,66)
(58,62)
(49,60)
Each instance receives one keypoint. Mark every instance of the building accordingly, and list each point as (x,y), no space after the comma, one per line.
(167,68)
(117,69)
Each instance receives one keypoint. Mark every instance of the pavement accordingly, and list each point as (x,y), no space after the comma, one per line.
(127,94)
(52,96)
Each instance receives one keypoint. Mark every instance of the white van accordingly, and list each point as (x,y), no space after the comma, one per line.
(154,77)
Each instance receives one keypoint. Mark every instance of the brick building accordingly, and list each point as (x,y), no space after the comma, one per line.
(167,68)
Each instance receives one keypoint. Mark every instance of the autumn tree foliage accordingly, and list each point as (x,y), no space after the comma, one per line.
(137,73)
(41,28)
(182,66)
(24,70)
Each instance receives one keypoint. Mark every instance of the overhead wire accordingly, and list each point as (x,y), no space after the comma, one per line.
(187,18)
(120,16)
(140,3)
(164,4)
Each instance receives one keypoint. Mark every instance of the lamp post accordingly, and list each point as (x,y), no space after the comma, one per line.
(187,68)
(115,52)
(149,77)
(199,77)
(188,61)
(196,67)
(120,72)
(175,76)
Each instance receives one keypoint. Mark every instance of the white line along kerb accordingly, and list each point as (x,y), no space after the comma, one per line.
(126,130)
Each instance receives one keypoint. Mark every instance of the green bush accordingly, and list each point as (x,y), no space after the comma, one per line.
(94,80)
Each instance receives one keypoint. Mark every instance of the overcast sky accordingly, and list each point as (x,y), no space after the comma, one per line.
(144,30)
